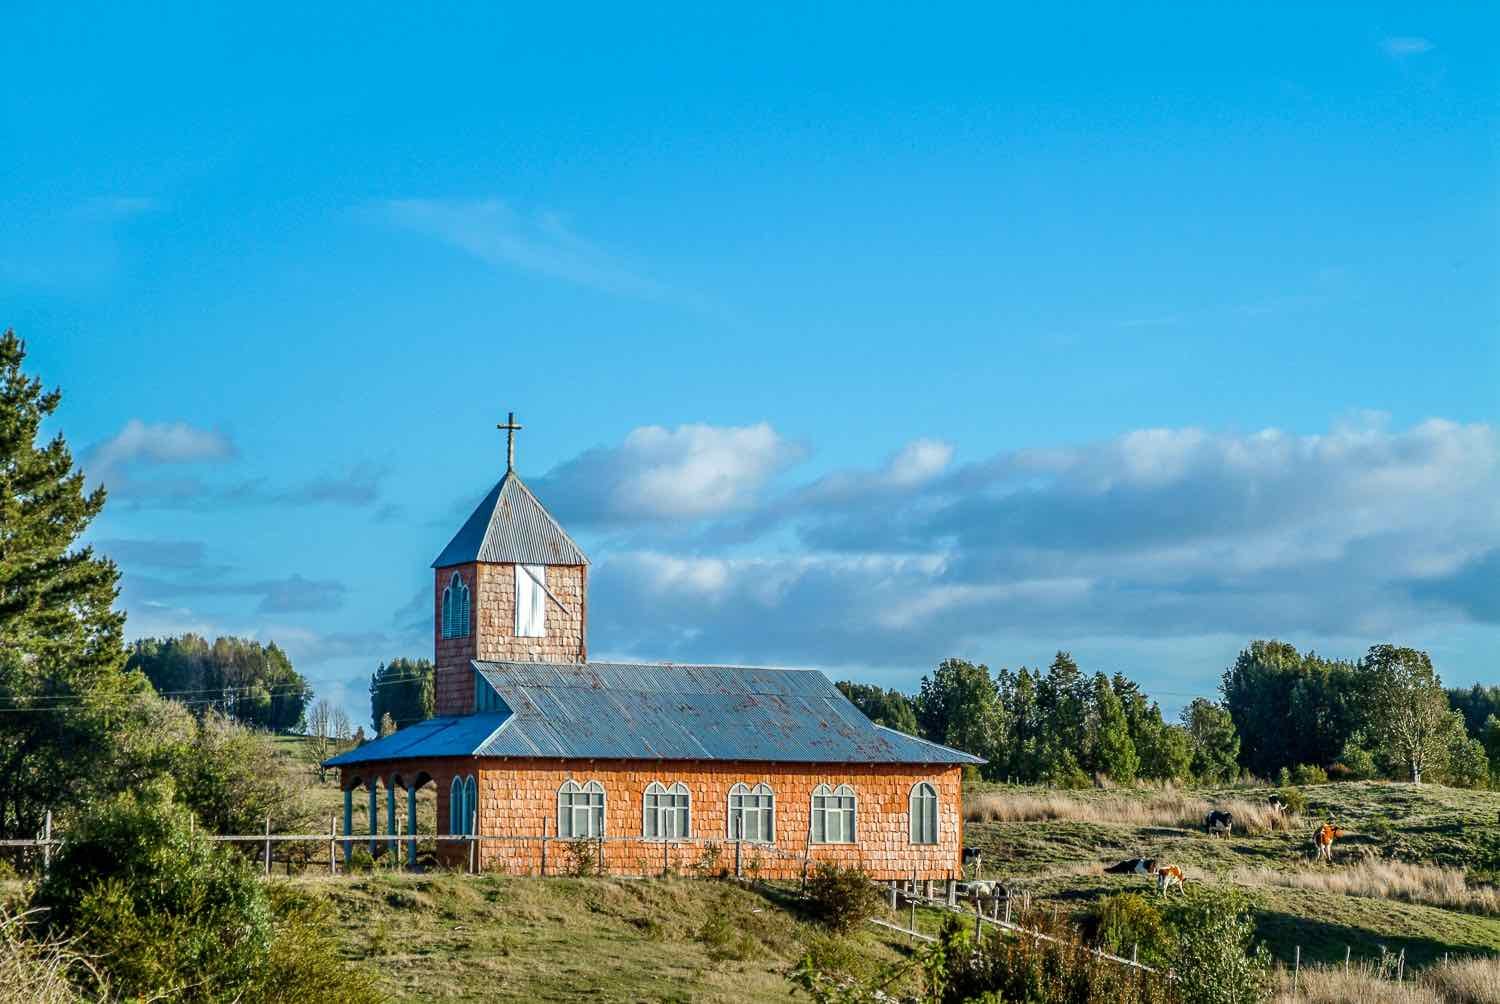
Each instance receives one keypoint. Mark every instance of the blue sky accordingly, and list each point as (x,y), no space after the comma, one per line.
(856,337)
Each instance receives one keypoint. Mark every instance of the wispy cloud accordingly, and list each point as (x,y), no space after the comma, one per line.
(1406,45)
(158,443)
(541,243)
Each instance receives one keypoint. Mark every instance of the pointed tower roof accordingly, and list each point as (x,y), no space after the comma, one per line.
(510,525)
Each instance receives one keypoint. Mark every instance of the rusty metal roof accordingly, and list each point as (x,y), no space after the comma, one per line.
(510,525)
(676,712)
(635,711)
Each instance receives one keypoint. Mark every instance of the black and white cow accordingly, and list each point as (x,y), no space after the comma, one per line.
(1220,822)
(1133,866)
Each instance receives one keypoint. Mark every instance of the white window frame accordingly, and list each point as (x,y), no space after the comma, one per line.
(764,815)
(653,817)
(592,812)
(917,816)
(456,608)
(847,815)
(531,601)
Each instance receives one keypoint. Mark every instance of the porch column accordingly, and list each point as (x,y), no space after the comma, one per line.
(390,816)
(374,816)
(348,822)
(411,825)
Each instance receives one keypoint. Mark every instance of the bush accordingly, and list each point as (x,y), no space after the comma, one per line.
(1358,762)
(1127,922)
(724,938)
(583,857)
(168,913)
(222,777)
(1294,800)
(43,971)
(165,910)
(842,898)
(1217,962)
(1309,773)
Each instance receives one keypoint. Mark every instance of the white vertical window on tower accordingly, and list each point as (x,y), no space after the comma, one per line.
(531,601)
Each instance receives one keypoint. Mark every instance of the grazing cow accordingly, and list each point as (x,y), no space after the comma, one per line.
(973,856)
(1133,866)
(1279,812)
(1166,877)
(1324,838)
(1218,821)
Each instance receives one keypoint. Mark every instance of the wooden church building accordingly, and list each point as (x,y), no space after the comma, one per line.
(534,746)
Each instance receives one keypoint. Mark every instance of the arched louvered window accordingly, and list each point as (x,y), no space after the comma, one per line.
(924,813)
(580,809)
(752,813)
(462,798)
(665,812)
(833,815)
(456,608)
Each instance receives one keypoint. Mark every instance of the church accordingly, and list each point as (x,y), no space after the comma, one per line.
(535,748)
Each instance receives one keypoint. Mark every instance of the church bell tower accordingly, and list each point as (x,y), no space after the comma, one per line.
(511,586)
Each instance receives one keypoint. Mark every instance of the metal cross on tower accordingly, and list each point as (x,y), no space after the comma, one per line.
(511,428)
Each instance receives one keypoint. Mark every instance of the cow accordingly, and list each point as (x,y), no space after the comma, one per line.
(1323,840)
(1218,821)
(1133,866)
(1166,877)
(973,856)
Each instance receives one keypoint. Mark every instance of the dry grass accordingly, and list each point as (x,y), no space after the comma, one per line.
(1461,981)
(41,972)
(1433,885)
(1168,808)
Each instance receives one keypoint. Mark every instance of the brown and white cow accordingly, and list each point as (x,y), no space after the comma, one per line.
(1166,877)
(1324,838)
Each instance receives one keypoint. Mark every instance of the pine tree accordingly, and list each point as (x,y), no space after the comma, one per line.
(63,692)
(403,689)
(1114,752)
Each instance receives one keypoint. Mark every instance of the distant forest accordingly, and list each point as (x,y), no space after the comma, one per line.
(1282,715)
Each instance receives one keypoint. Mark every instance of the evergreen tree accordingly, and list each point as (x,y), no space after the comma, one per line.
(1114,751)
(252,683)
(404,689)
(959,706)
(890,708)
(1214,743)
(63,692)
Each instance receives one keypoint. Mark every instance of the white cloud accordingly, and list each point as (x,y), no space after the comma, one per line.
(690,472)
(158,443)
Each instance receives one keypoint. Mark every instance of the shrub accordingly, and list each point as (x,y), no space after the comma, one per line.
(1294,800)
(1128,922)
(361,860)
(168,913)
(724,938)
(1309,773)
(222,777)
(1358,761)
(583,857)
(1217,962)
(165,910)
(842,898)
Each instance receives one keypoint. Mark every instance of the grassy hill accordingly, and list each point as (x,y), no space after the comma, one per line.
(494,938)
(1414,875)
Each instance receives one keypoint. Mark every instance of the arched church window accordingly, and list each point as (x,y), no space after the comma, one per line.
(456,608)
(833,815)
(924,813)
(665,811)
(752,813)
(580,809)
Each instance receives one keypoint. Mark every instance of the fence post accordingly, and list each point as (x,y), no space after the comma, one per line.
(47,847)
(952,891)
(601,854)
(1296,969)
(333,866)
(738,847)
(474,842)
(1346,960)
(268,845)
(546,825)
(664,865)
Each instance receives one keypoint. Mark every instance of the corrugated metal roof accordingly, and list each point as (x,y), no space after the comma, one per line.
(673,712)
(632,711)
(449,736)
(510,525)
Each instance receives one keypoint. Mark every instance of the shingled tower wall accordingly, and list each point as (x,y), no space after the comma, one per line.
(492,626)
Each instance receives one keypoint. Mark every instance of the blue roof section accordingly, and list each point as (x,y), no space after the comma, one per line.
(449,736)
(510,525)
(675,712)
(630,711)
